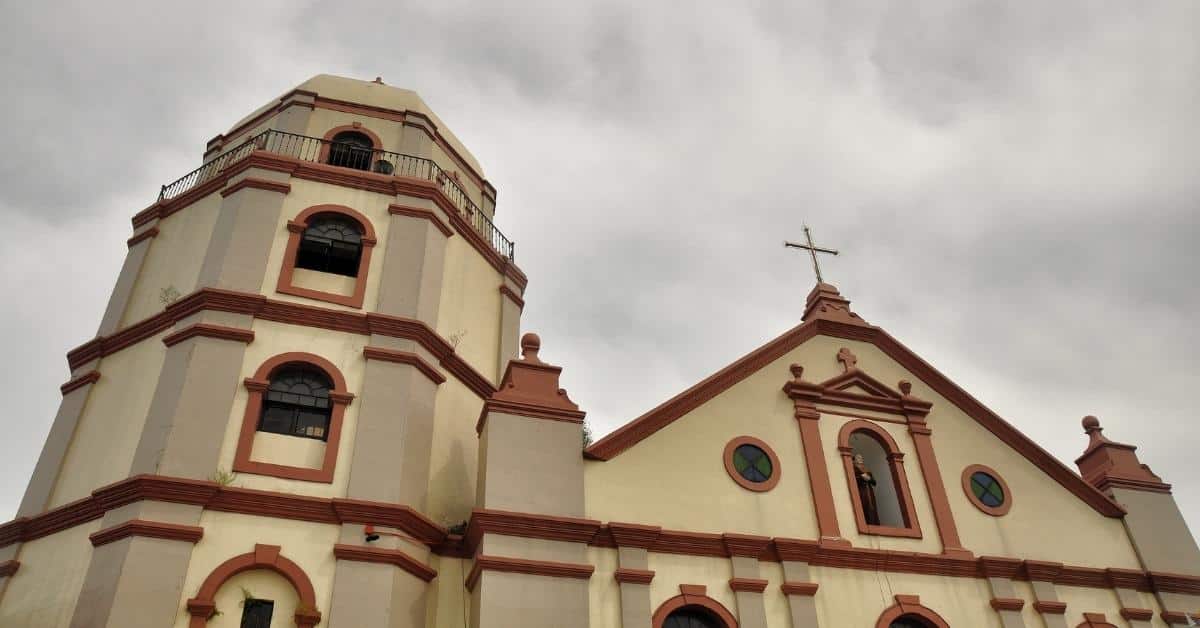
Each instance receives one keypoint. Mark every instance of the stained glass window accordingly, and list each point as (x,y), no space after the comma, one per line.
(752,463)
(297,403)
(987,489)
(330,244)
(691,618)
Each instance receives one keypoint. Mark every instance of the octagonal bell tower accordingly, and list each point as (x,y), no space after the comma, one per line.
(299,344)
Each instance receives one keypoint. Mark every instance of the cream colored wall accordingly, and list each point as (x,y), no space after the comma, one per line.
(689,482)
(289,450)
(110,426)
(857,598)
(305,194)
(470,306)
(325,282)
(260,584)
(448,603)
(344,350)
(44,591)
(453,458)
(604,594)
(174,258)
(226,535)
(672,570)
(388,132)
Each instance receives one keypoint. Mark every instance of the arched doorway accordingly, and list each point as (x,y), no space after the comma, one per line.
(693,617)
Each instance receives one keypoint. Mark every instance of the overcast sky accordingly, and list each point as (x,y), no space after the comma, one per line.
(1014,188)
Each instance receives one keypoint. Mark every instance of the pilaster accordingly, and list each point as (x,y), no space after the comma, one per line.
(295,109)
(633,573)
(747,583)
(1041,577)
(801,594)
(135,258)
(804,396)
(1005,602)
(189,412)
(247,223)
(512,302)
(410,283)
(384,582)
(915,411)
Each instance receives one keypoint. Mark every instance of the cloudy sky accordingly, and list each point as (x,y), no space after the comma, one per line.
(1013,187)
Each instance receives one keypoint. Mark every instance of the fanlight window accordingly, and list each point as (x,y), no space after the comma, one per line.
(692,618)
(331,244)
(351,149)
(297,403)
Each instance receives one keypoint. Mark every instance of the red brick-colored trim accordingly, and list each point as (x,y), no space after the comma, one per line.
(807,589)
(997,511)
(141,236)
(256,385)
(1140,614)
(635,431)
(152,529)
(202,606)
(9,567)
(512,296)
(1175,618)
(503,522)
(931,472)
(753,585)
(405,357)
(804,395)
(260,307)
(549,568)
(357,127)
(530,388)
(757,487)
(362,554)
(420,212)
(1177,583)
(633,576)
(910,605)
(693,598)
(1007,603)
(1050,607)
(256,183)
(208,330)
(1095,620)
(999,567)
(912,527)
(91,377)
(296,227)
(748,545)
(633,534)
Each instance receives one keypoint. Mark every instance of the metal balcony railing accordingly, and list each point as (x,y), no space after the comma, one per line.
(316,150)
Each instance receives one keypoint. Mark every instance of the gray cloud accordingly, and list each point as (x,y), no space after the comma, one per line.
(1012,186)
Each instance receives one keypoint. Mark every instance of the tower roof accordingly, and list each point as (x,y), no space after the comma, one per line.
(377,95)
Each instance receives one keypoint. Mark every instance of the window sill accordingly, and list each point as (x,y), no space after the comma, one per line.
(906,533)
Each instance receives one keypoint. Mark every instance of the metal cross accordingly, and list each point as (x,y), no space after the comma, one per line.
(812,250)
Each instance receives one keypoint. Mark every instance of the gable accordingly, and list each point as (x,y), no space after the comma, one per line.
(665,414)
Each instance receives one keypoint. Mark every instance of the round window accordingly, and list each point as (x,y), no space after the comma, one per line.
(986,490)
(751,463)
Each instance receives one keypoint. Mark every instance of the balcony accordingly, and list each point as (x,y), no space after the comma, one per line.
(316,150)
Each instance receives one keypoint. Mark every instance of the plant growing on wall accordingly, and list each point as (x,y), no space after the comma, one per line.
(223,477)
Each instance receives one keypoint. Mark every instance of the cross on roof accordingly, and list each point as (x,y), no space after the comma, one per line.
(812,250)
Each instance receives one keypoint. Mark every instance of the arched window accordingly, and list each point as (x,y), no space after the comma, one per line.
(351,149)
(331,243)
(297,403)
(909,613)
(910,621)
(878,485)
(692,617)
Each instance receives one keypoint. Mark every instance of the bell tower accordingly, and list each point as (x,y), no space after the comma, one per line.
(299,343)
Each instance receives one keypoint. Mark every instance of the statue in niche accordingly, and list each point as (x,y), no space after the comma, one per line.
(866,490)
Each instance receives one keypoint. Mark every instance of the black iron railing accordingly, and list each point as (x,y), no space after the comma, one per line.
(316,150)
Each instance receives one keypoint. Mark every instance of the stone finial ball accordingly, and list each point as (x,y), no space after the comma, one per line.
(1090,422)
(530,343)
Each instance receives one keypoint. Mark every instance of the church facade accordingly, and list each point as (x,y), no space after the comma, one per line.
(304,406)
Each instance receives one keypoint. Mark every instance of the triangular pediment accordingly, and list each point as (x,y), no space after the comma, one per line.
(851,386)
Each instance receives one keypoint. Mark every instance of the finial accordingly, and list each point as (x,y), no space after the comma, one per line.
(378,80)
(797,371)
(530,344)
(905,387)
(1091,424)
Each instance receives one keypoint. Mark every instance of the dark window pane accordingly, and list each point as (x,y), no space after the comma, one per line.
(350,149)
(692,618)
(257,613)
(330,244)
(276,419)
(752,463)
(987,489)
(297,403)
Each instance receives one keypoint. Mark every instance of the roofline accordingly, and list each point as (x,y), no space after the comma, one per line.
(666,413)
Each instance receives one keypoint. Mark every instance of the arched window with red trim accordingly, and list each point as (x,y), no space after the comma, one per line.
(328,255)
(877,482)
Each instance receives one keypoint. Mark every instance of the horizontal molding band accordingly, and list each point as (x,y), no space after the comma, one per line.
(513,296)
(1141,614)
(404,357)
(420,212)
(9,567)
(152,529)
(255,183)
(626,575)
(141,236)
(1007,603)
(213,496)
(260,307)
(363,554)
(91,377)
(553,569)
(208,330)
(1050,608)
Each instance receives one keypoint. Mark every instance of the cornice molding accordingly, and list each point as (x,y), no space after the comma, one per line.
(549,568)
(208,330)
(362,554)
(420,212)
(1050,607)
(1007,603)
(807,589)
(748,585)
(91,377)
(256,183)
(141,236)
(260,307)
(151,529)
(625,575)
(405,357)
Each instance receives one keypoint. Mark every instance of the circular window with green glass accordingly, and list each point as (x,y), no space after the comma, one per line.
(986,490)
(752,464)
